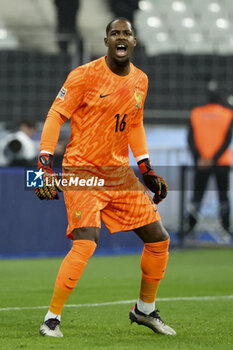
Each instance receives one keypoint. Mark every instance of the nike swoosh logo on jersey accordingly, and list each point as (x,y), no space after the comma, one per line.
(102,96)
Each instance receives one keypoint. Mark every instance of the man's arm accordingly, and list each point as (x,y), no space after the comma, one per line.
(138,145)
(225,144)
(49,138)
(51,131)
(137,141)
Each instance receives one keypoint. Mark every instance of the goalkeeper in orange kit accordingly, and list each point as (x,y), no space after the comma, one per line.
(104,100)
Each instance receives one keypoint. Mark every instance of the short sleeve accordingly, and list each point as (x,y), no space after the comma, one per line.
(70,97)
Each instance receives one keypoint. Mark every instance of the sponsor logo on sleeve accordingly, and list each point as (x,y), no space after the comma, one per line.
(62,93)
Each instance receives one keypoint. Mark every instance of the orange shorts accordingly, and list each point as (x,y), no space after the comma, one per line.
(119,210)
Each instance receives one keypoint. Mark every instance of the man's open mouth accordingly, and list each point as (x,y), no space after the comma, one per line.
(121,50)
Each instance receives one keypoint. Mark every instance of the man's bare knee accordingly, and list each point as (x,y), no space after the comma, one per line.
(162,235)
(154,232)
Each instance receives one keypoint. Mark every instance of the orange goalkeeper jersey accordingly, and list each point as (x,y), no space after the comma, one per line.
(103,108)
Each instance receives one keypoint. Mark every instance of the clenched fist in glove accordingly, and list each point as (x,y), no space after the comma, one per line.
(50,191)
(154,182)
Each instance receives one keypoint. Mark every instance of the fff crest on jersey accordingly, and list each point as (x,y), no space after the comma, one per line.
(78,214)
(138,98)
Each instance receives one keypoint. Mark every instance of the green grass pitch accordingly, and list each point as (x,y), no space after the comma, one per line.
(199,323)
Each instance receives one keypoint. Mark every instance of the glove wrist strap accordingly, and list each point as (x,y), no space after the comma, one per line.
(45,160)
(144,165)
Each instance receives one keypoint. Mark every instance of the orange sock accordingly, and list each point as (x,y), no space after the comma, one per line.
(148,290)
(153,264)
(70,272)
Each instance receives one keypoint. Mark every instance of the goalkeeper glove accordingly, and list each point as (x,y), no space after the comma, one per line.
(154,182)
(45,162)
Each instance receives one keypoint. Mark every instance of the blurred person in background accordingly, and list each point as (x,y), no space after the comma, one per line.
(18,148)
(104,100)
(209,140)
(66,11)
(124,8)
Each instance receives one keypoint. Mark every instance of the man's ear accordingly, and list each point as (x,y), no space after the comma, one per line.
(135,41)
(106,41)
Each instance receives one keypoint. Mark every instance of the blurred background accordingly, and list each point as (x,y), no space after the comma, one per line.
(182,46)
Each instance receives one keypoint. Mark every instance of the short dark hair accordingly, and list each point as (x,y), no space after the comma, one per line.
(119,19)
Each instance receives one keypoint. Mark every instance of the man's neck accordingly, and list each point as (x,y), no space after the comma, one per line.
(117,68)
